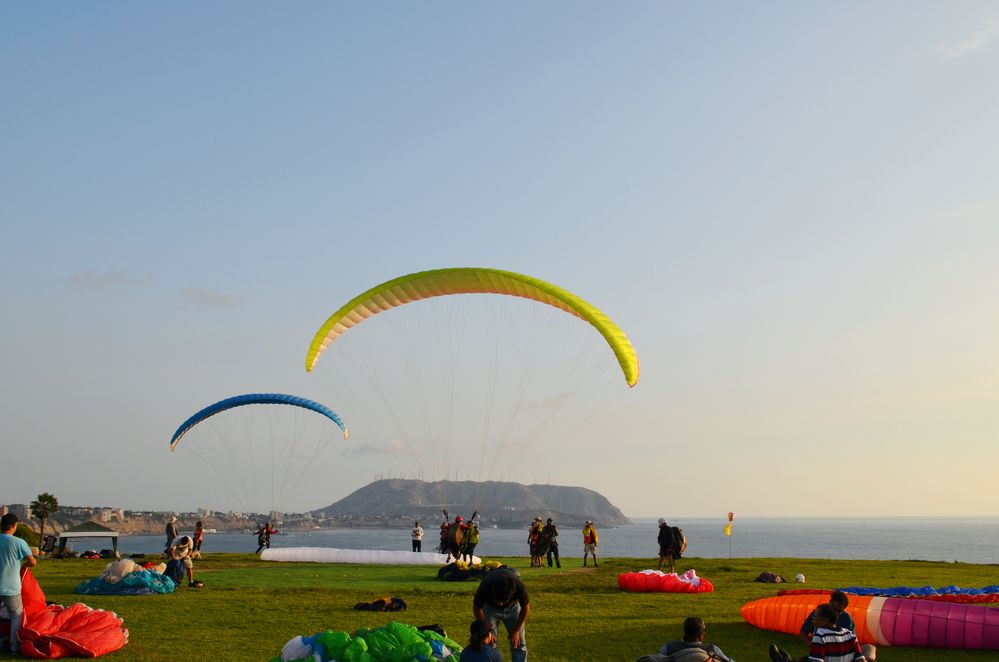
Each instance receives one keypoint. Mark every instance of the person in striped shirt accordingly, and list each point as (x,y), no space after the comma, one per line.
(830,643)
(839,602)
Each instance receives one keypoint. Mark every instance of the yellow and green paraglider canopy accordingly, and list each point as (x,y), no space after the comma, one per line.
(470,280)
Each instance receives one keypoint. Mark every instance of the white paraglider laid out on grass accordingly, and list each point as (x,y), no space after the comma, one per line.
(359,556)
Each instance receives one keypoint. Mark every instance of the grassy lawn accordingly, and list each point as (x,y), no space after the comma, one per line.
(249,608)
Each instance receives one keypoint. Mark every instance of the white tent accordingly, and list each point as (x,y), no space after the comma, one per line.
(88,530)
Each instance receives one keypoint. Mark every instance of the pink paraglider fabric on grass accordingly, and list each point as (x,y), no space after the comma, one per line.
(888,621)
(654,581)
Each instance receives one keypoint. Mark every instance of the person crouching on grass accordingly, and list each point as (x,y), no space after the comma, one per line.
(181,550)
(502,596)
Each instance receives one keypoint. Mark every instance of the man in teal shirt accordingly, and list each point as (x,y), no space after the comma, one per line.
(12,552)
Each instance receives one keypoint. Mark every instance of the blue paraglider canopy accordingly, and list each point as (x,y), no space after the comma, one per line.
(256,399)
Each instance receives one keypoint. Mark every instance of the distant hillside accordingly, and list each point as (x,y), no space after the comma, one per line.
(503,504)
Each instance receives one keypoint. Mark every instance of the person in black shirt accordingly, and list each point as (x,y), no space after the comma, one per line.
(502,596)
(551,532)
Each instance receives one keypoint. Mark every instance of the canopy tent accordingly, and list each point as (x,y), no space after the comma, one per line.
(88,530)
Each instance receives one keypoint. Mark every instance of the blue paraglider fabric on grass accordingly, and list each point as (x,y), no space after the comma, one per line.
(920,591)
(140,582)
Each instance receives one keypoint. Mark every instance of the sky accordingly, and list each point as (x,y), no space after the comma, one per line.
(791,209)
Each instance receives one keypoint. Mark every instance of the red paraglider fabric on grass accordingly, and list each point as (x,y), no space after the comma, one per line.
(76,630)
(653,581)
(54,631)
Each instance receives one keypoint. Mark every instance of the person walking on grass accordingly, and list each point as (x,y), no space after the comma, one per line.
(502,596)
(12,551)
(589,543)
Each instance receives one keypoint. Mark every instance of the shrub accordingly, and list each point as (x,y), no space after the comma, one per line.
(27,534)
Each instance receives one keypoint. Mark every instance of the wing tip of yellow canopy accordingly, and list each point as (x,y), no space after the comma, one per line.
(633,381)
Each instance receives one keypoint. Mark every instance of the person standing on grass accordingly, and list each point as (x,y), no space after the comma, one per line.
(551,531)
(417,535)
(171,534)
(589,543)
(534,542)
(502,596)
(199,534)
(471,540)
(264,537)
(443,546)
(667,547)
(12,551)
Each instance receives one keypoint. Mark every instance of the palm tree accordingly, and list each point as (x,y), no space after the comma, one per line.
(41,508)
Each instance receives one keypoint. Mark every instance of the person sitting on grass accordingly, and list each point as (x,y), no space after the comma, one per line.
(481,644)
(838,601)
(830,642)
(181,550)
(689,649)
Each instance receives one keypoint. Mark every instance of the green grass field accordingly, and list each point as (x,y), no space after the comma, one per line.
(250,608)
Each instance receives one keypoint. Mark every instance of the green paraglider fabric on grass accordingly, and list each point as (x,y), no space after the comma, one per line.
(394,642)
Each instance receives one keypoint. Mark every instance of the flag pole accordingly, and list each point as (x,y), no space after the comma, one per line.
(728,532)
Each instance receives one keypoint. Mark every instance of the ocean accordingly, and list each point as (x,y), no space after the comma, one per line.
(965,540)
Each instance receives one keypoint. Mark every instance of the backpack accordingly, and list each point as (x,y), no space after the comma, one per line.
(383,604)
(174,570)
(769,578)
(679,542)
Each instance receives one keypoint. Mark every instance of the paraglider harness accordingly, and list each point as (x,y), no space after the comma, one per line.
(387,603)
(679,541)
(693,653)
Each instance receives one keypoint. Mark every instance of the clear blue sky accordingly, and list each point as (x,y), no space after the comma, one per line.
(791,208)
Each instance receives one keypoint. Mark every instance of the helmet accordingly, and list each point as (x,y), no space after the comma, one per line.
(662,521)
(458,519)
(800,578)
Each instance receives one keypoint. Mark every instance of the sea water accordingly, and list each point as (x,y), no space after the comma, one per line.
(967,540)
